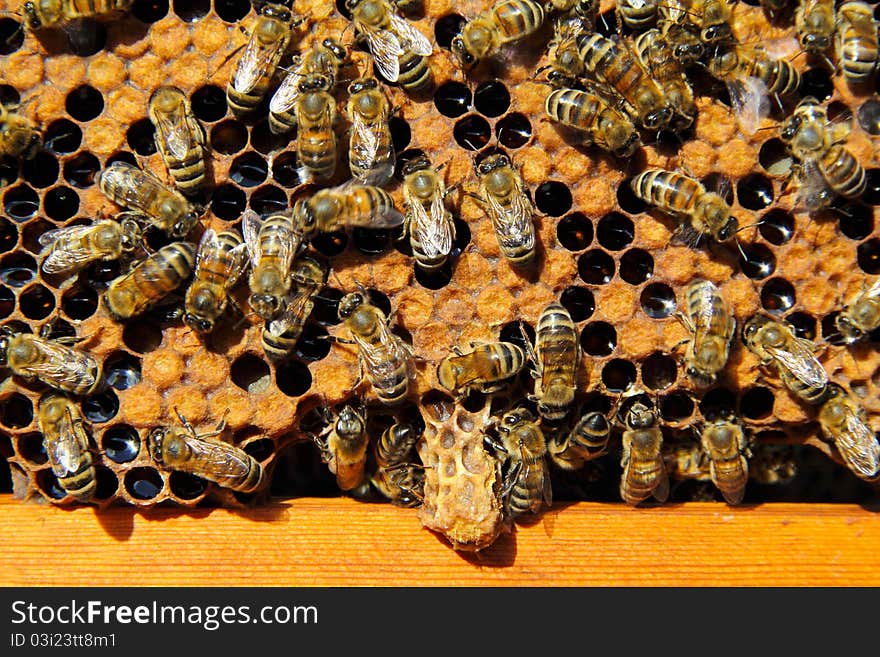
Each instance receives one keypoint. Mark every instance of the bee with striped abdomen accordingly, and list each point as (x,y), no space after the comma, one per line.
(68,250)
(590,114)
(637,15)
(486,368)
(280,336)
(556,358)
(711,18)
(857,43)
(348,204)
(505,22)
(18,135)
(566,66)
(587,440)
(179,138)
(50,13)
(644,473)
(67,445)
(371,155)
(526,485)
(315,112)
(845,423)
(220,261)
(343,444)
(815,21)
(272,244)
(726,446)
(151,281)
(396,477)
(428,221)
(712,326)
(657,54)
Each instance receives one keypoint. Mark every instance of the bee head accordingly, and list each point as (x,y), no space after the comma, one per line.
(623,140)
(462,54)
(272,10)
(418,163)
(701,378)
(716,33)
(790,128)
(305,217)
(199,323)
(155,441)
(30,13)
(814,42)
(362,84)
(848,329)
(349,303)
(659,118)
(335,48)
(266,306)
(728,229)
(751,328)
(640,416)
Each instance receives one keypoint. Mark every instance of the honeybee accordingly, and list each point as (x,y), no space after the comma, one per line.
(66,443)
(48,13)
(348,204)
(486,368)
(775,342)
(50,361)
(726,446)
(657,54)
(181,448)
(315,112)
(269,39)
(556,356)
(686,46)
(272,244)
(587,440)
(148,197)
(399,50)
(815,23)
(711,18)
(68,250)
(179,138)
(752,75)
(395,477)
(712,327)
(773,464)
(428,221)
(151,281)
(502,196)
(324,60)
(527,479)
(505,22)
(584,9)
(861,316)
(370,148)
(220,260)
(566,66)
(685,197)
(613,64)
(279,337)
(343,444)
(845,423)
(382,356)
(857,43)
(644,473)
(637,15)
(602,124)
(824,165)
(18,136)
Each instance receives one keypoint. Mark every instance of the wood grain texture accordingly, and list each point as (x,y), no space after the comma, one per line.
(340,542)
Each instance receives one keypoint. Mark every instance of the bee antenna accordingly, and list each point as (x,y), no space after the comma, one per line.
(740,248)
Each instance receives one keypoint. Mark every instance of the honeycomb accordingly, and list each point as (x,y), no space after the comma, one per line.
(610,262)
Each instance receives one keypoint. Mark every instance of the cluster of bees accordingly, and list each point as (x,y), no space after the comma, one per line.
(613,92)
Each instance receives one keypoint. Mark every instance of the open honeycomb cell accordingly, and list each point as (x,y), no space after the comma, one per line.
(602,253)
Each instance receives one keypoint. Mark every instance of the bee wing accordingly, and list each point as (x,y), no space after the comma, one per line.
(859,447)
(58,365)
(70,258)
(299,307)
(873,291)
(220,459)
(433,232)
(210,255)
(250,230)
(364,139)
(285,96)
(409,36)
(702,319)
(256,61)
(385,48)
(782,48)
(751,103)
(801,364)
(65,453)
(813,192)
(174,131)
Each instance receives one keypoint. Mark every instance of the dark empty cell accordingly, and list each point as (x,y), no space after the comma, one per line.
(342,8)
(209,102)
(260,449)
(804,324)
(855,221)
(140,137)
(122,156)
(553,198)
(191,10)
(615,231)
(872,190)
(11,35)
(446,28)
(156,238)
(42,169)
(472,132)
(401,134)
(759,261)
(596,267)
(16,411)
(106,483)
(61,203)
(84,103)
(658,300)
(627,199)
(618,375)
(62,136)
(816,82)
(248,170)
(186,486)
(869,256)
(829,329)
(142,337)
(21,203)
(8,170)
(149,11)
(58,328)
(676,406)
(80,170)
(285,169)
(101,273)
(313,343)
(380,300)
(434,279)
(17,269)
(718,403)
(462,236)
(839,113)
(330,244)
(777,226)
(143,483)
(774,157)
(607,24)
(492,99)
(574,231)
(292,378)
(250,373)
(228,137)
(79,303)
(32,449)
(8,235)
(326,309)
(659,371)
(269,199)
(869,116)
(514,130)
(121,443)
(264,141)
(598,338)
(579,302)
(36,302)
(755,191)
(756,403)
(9,95)
(101,407)
(519,333)
(122,370)
(48,484)
(777,295)
(86,37)
(228,202)
(636,266)
(370,241)
(719,183)
(7,302)
(452,99)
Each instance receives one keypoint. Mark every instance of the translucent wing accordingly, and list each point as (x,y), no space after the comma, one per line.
(250,229)
(434,232)
(63,366)
(800,363)
(220,460)
(702,319)
(364,140)
(385,49)
(858,447)
(299,307)
(256,62)
(873,291)
(63,256)
(751,103)
(782,48)
(285,96)
(65,453)
(382,362)
(514,224)
(210,256)
(135,187)
(410,37)
(813,193)
(173,130)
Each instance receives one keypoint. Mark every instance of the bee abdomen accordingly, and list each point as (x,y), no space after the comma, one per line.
(252,480)
(415,73)
(667,190)
(516,19)
(81,484)
(278,347)
(189,174)
(844,173)
(317,152)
